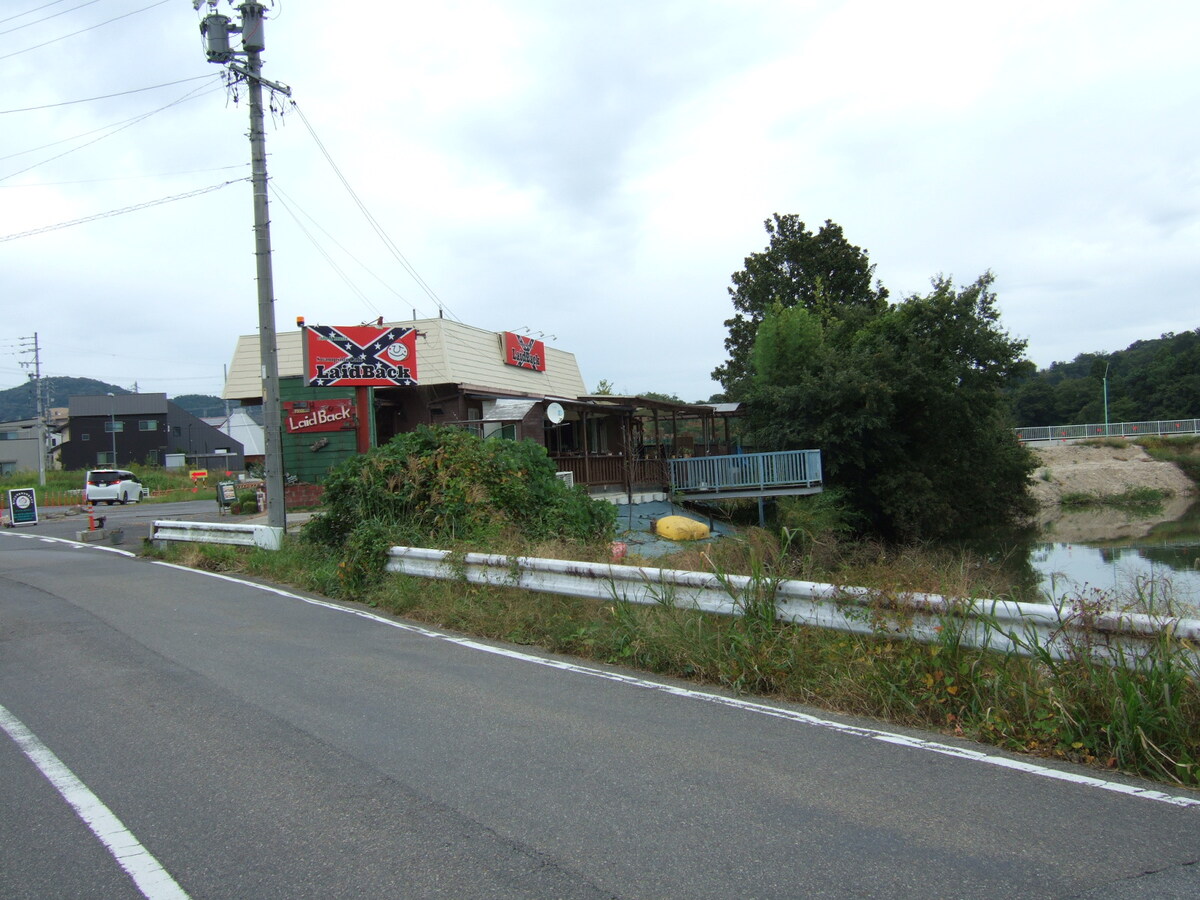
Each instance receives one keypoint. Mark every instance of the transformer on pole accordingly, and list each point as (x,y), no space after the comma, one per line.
(217,29)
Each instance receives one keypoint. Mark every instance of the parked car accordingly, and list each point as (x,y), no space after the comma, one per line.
(112,486)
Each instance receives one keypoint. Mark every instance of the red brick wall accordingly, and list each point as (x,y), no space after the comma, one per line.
(302,495)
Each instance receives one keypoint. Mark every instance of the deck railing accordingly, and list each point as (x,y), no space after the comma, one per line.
(747,473)
(607,471)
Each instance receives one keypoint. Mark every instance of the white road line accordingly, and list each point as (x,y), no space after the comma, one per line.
(887,737)
(152,879)
(76,545)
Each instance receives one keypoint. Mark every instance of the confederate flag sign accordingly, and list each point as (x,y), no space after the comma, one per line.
(359,356)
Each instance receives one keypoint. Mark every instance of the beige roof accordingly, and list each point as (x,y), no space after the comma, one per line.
(447,353)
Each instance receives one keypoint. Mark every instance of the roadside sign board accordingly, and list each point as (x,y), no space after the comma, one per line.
(226,493)
(22,506)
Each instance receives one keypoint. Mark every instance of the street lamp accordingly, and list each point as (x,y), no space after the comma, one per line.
(1106,399)
(112,426)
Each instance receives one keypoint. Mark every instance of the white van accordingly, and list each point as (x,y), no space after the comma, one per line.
(112,486)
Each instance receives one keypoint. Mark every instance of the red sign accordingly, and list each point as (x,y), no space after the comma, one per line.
(524,352)
(359,356)
(319,415)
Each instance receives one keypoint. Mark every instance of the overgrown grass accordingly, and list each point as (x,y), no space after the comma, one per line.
(1183,451)
(1137,500)
(1140,715)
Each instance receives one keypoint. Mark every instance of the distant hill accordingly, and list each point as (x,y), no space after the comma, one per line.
(19,403)
(1147,381)
(202,404)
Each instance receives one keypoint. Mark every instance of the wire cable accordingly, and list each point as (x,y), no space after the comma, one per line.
(284,197)
(121,212)
(82,30)
(30,12)
(47,18)
(371,220)
(42,184)
(153,87)
(329,259)
(129,123)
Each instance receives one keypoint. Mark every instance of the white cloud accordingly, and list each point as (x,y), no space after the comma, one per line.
(598,173)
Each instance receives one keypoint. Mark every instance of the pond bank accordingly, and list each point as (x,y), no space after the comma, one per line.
(1103,471)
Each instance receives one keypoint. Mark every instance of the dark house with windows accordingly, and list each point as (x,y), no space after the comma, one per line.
(125,429)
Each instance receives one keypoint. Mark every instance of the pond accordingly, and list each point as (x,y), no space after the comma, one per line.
(1122,555)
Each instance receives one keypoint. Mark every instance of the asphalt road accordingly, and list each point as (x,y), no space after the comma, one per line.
(255,743)
(135,520)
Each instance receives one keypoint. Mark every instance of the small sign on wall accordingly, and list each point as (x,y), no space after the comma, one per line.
(524,352)
(22,506)
(319,415)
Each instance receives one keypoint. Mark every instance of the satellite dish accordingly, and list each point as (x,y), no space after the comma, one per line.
(555,413)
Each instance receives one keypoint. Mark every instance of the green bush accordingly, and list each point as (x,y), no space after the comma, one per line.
(443,485)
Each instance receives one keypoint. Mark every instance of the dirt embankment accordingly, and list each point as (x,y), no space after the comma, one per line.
(1104,471)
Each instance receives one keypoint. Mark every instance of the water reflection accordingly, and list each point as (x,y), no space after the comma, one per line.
(1138,555)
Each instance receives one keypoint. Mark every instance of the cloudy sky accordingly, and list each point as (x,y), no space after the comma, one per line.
(591,172)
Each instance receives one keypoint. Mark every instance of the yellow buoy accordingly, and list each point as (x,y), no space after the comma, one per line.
(680,528)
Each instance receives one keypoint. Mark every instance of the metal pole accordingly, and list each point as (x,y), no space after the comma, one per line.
(252,13)
(1106,399)
(41,411)
(112,425)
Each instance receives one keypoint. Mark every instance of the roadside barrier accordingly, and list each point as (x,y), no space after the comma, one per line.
(1005,626)
(238,535)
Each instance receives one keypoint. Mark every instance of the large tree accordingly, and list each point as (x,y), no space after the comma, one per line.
(906,405)
(821,272)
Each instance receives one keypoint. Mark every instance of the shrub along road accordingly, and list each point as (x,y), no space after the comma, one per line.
(257,745)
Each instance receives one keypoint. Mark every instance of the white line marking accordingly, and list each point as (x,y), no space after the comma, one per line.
(75,545)
(152,879)
(887,737)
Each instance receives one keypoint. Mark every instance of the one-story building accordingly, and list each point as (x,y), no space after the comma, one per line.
(442,372)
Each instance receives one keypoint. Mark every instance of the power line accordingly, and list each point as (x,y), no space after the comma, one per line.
(383,236)
(120,212)
(153,87)
(30,12)
(82,30)
(47,18)
(329,259)
(42,184)
(129,123)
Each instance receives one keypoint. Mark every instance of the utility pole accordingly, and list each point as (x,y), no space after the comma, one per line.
(216,29)
(36,378)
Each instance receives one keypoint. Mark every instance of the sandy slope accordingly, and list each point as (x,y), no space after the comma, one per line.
(1075,468)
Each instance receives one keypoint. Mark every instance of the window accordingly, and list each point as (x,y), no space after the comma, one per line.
(8,468)
(85,437)
(147,424)
(10,435)
(176,430)
(114,425)
(106,458)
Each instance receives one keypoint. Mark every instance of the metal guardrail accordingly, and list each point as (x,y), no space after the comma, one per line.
(1119,429)
(998,625)
(747,473)
(237,535)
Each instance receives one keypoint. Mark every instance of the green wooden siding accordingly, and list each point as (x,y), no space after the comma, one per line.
(299,459)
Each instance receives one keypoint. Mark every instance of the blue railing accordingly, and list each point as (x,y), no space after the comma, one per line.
(747,473)
(1118,429)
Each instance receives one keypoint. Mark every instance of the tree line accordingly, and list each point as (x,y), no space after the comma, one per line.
(1147,381)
